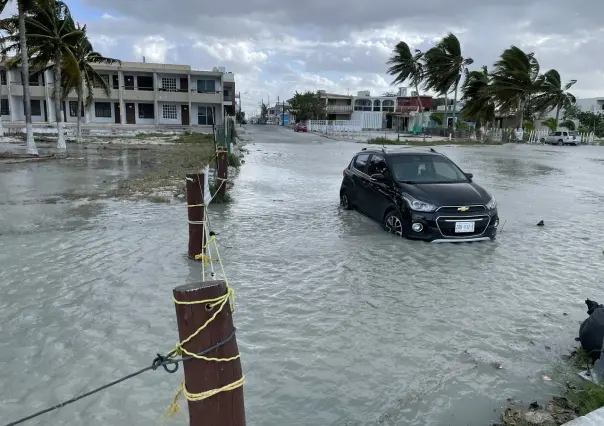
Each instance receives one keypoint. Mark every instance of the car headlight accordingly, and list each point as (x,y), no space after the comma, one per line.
(491,205)
(419,206)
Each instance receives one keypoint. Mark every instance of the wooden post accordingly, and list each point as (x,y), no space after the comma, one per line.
(223,170)
(225,408)
(195,185)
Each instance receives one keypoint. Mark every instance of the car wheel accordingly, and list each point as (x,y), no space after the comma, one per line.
(393,223)
(560,142)
(345,201)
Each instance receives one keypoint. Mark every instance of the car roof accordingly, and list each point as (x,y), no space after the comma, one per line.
(400,150)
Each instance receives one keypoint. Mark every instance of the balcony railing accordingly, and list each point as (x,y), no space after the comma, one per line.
(170,89)
(338,108)
(406,109)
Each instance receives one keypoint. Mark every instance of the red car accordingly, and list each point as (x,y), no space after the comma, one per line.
(301,127)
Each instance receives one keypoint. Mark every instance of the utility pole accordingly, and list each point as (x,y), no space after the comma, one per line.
(283,113)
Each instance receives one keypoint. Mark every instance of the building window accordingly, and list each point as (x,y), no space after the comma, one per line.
(4,107)
(227,95)
(97,84)
(3,77)
(388,105)
(205,115)
(35,107)
(102,109)
(146,111)
(34,79)
(129,82)
(168,84)
(144,82)
(362,105)
(170,112)
(376,105)
(73,109)
(206,86)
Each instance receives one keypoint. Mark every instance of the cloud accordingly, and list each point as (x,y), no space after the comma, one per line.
(276,48)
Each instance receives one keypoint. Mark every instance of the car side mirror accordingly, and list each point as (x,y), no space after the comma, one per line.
(469,175)
(378,177)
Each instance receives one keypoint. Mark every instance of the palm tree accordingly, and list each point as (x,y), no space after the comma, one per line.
(23,6)
(554,95)
(404,65)
(89,78)
(445,66)
(52,35)
(478,97)
(515,79)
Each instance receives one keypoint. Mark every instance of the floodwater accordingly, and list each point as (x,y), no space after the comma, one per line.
(338,322)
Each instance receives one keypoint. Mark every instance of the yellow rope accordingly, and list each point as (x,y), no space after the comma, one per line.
(179,349)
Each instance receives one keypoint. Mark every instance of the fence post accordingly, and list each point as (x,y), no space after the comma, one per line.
(196,211)
(223,171)
(224,408)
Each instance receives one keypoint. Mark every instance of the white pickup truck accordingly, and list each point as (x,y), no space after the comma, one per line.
(562,138)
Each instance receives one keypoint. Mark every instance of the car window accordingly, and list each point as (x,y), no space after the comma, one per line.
(557,133)
(418,168)
(360,163)
(377,164)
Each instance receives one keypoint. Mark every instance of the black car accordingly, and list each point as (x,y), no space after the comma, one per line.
(420,194)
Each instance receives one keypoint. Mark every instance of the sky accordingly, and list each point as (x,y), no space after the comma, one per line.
(278,47)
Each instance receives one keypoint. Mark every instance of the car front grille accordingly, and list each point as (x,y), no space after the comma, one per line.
(454,209)
(446,225)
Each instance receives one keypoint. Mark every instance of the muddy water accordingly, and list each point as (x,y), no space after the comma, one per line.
(339,323)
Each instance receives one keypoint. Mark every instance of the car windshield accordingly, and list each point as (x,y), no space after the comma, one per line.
(418,168)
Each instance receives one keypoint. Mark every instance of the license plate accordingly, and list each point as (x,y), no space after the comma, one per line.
(464,227)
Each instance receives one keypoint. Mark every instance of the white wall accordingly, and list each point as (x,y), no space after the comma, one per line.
(369,120)
(160,113)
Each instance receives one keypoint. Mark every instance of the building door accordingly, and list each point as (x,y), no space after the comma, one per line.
(45,111)
(184,113)
(130,114)
(117,112)
(184,84)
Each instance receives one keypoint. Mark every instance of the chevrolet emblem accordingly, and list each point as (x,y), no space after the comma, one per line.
(463,209)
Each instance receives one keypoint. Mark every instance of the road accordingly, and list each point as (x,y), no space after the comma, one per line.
(338,322)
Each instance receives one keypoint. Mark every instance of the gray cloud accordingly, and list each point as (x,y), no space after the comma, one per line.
(276,48)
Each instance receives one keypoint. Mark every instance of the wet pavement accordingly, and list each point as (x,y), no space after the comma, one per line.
(338,322)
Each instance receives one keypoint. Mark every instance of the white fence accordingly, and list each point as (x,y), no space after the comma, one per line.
(535,136)
(333,126)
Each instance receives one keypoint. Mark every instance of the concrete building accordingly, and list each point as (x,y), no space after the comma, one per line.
(141,93)
(389,111)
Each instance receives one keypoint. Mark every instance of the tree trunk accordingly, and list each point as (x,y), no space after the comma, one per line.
(445,122)
(79,113)
(520,112)
(557,115)
(31,144)
(421,110)
(455,108)
(58,110)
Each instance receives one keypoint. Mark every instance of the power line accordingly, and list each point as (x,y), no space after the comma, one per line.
(160,361)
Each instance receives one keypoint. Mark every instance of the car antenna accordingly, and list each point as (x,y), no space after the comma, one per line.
(432,149)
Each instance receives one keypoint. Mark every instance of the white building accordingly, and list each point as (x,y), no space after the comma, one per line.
(141,93)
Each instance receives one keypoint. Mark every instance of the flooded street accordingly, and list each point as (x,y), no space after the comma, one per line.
(339,323)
